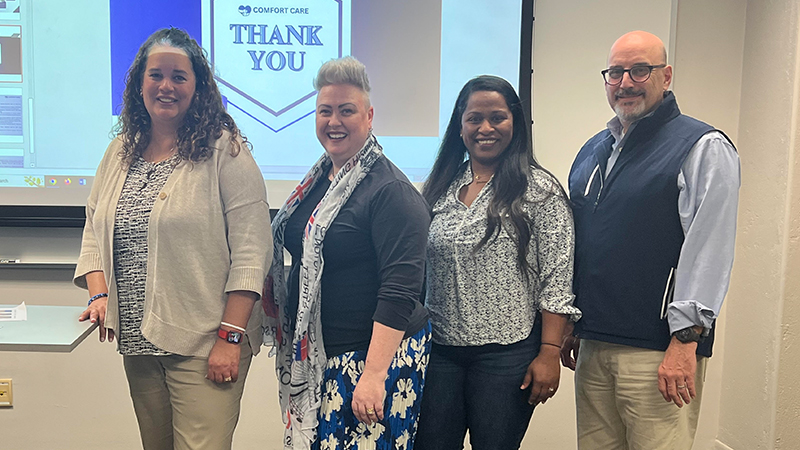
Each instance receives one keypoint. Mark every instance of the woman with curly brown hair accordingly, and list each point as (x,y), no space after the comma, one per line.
(175,248)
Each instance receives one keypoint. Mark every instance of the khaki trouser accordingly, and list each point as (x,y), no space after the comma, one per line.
(619,406)
(178,408)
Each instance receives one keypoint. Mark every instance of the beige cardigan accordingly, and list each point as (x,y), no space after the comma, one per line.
(209,234)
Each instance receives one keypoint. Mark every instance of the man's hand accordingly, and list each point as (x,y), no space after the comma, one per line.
(676,373)
(570,345)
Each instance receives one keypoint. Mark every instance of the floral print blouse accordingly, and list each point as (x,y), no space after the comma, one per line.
(478,297)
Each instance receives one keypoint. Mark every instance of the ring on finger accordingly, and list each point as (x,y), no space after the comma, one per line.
(228,379)
(370,411)
(682,386)
(551,390)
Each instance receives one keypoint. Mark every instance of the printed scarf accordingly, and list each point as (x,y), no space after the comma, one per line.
(300,361)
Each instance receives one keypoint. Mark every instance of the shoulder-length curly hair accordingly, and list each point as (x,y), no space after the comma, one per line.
(510,181)
(203,123)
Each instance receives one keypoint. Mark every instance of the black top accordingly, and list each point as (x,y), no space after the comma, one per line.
(374,255)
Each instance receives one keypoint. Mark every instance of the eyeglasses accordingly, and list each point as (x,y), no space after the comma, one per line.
(639,74)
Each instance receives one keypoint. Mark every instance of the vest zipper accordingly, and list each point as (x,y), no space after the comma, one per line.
(602,184)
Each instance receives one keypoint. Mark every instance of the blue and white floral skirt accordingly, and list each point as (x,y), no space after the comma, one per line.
(338,427)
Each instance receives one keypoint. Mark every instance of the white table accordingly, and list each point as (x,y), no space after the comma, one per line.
(48,329)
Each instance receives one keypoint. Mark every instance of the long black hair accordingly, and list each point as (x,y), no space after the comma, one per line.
(510,181)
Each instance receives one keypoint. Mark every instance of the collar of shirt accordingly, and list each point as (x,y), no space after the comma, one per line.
(615,127)
(467,177)
(451,197)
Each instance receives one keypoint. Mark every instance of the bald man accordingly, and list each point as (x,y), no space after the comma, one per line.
(655,197)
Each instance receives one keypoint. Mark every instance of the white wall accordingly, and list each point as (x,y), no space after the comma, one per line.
(571,43)
(760,377)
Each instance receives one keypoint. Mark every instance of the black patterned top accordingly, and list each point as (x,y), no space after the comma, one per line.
(142,186)
(481,297)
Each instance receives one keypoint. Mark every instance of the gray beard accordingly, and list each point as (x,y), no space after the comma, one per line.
(630,116)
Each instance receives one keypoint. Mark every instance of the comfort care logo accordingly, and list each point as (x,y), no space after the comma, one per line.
(265,62)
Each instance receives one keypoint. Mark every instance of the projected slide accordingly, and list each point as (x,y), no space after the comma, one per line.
(63,67)
(265,57)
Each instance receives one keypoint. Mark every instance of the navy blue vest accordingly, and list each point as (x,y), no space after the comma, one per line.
(628,234)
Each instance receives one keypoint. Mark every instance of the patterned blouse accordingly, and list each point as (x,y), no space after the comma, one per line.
(481,297)
(142,185)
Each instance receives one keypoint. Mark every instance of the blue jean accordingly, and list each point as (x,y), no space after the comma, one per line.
(477,388)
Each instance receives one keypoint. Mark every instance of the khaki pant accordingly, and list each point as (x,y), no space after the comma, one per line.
(178,408)
(619,406)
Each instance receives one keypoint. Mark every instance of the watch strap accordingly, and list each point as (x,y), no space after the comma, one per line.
(234,337)
(687,335)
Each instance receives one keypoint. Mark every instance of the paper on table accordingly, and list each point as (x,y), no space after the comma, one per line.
(19,312)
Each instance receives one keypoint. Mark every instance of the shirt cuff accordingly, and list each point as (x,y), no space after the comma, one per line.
(395,315)
(246,279)
(87,262)
(689,313)
(562,306)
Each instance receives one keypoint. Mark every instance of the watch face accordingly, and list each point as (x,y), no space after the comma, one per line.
(234,337)
(687,335)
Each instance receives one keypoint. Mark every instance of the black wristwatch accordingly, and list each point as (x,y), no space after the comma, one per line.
(234,337)
(687,335)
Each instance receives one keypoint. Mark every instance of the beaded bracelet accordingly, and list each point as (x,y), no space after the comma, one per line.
(101,295)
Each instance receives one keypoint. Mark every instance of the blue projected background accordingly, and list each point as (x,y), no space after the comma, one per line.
(131,22)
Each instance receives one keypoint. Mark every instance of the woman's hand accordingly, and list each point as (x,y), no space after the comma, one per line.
(96,313)
(368,397)
(370,390)
(543,375)
(223,362)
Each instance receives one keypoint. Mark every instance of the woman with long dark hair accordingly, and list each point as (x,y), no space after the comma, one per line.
(499,274)
(176,247)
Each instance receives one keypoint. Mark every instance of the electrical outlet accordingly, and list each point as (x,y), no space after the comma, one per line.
(6,397)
